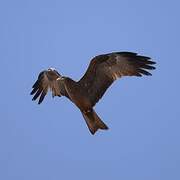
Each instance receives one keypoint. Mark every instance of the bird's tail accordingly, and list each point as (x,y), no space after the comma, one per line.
(93,121)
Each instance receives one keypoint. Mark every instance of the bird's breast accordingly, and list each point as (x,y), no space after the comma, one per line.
(78,95)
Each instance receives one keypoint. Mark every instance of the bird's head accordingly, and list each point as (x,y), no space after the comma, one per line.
(53,70)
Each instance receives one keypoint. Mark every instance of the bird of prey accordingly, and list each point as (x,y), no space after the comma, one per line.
(103,70)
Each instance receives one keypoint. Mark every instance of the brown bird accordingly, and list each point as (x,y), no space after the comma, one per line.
(103,70)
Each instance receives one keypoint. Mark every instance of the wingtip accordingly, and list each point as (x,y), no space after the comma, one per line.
(31,93)
(152,68)
(152,62)
(40,100)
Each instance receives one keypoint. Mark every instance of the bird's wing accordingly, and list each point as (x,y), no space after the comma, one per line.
(104,69)
(48,79)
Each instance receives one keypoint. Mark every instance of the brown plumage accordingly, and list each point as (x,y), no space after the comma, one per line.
(103,70)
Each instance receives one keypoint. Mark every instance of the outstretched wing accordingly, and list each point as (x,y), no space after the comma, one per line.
(48,79)
(105,69)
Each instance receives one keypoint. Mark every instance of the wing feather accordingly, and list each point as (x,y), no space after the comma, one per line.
(104,69)
(47,80)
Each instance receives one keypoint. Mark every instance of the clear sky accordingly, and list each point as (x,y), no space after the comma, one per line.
(51,141)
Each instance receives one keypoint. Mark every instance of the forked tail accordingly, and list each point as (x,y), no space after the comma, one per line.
(93,121)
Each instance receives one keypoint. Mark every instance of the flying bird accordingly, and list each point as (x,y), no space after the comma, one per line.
(103,70)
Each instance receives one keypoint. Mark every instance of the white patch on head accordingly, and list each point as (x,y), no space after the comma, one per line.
(51,69)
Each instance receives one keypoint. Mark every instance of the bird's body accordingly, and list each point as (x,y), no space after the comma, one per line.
(85,93)
(77,94)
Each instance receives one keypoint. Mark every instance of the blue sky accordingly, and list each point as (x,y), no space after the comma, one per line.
(51,141)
